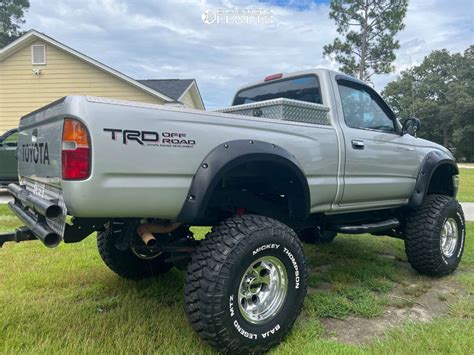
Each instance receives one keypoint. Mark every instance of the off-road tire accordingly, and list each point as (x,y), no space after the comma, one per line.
(124,262)
(314,235)
(422,234)
(213,279)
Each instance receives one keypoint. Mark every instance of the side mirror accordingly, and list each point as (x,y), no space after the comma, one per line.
(411,126)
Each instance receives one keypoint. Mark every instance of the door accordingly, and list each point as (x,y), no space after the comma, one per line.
(8,160)
(380,164)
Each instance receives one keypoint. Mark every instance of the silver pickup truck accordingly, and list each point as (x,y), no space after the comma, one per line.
(299,156)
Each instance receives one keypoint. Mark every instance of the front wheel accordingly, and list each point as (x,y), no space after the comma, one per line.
(246,284)
(435,235)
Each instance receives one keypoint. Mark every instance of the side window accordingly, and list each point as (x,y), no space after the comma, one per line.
(361,109)
(11,140)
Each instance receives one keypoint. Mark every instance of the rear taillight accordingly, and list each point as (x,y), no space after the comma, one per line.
(76,154)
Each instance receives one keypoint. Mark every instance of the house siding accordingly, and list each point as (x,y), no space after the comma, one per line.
(21,91)
(187,100)
(191,98)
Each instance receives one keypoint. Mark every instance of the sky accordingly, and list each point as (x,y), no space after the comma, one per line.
(150,39)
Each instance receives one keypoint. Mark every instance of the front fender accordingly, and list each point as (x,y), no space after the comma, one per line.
(431,162)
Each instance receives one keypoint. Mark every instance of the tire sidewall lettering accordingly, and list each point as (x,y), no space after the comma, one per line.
(463,233)
(458,217)
(254,332)
(295,266)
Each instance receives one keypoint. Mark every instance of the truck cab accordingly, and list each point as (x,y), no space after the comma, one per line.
(378,162)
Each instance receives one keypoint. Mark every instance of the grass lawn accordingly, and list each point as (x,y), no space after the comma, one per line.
(65,300)
(466,186)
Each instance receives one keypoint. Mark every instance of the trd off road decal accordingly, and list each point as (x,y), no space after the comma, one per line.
(151,138)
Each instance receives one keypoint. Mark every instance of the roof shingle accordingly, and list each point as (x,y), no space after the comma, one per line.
(173,88)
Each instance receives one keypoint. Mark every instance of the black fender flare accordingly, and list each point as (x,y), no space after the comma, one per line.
(430,163)
(229,155)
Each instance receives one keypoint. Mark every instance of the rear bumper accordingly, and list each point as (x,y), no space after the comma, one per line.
(34,211)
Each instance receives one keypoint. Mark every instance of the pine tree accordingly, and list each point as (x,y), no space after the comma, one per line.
(369,28)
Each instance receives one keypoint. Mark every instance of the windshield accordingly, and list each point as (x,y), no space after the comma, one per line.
(303,88)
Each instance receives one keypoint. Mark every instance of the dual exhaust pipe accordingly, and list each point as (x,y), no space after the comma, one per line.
(44,208)
(41,230)
(40,205)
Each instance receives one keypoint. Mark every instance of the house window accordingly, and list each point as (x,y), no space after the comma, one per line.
(38,54)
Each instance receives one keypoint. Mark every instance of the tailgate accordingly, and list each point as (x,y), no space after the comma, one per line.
(39,145)
(39,168)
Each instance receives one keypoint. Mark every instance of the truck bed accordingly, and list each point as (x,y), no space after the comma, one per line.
(144,156)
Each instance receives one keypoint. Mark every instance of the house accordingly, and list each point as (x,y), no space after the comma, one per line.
(36,70)
(183,90)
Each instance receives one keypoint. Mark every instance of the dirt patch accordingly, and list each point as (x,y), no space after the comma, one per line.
(417,302)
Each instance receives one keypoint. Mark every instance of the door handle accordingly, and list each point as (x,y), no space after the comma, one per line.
(357,144)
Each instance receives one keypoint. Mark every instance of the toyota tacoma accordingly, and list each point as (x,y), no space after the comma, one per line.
(297,157)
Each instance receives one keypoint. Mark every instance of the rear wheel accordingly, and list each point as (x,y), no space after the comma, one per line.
(434,236)
(246,284)
(120,249)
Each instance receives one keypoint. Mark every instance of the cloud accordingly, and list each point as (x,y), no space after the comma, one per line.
(168,39)
(432,25)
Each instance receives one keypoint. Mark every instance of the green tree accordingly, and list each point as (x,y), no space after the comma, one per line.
(11,18)
(440,92)
(462,93)
(369,28)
